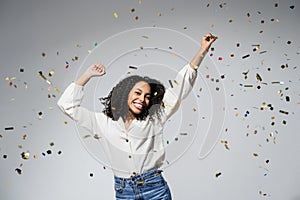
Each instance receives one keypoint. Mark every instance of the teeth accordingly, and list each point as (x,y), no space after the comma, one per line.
(139,106)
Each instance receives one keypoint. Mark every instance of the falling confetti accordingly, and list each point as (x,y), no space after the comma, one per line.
(9,128)
(19,171)
(116,15)
(25,155)
(132,67)
(245,56)
(218,174)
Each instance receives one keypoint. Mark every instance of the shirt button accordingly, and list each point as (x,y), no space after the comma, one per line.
(129,156)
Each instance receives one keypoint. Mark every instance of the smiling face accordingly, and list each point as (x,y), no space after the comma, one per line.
(139,98)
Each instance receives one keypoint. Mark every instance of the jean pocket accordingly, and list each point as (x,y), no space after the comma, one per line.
(155,181)
(119,187)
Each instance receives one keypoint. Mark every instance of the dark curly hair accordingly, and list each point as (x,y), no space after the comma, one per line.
(116,106)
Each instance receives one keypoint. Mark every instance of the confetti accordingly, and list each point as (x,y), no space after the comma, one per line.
(86,136)
(96,136)
(171,84)
(284,112)
(19,171)
(245,56)
(292,7)
(116,15)
(132,67)
(218,174)
(9,128)
(258,77)
(225,143)
(255,154)
(51,73)
(25,155)
(44,77)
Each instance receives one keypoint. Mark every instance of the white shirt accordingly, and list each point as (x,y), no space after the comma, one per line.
(139,148)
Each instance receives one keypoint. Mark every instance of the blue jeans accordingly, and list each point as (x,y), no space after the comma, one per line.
(146,186)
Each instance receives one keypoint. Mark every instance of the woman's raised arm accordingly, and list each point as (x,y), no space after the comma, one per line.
(91,71)
(206,42)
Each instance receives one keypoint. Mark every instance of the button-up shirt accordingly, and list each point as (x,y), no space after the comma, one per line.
(140,147)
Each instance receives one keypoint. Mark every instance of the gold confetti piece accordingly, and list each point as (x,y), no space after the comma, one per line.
(223,141)
(248,86)
(258,77)
(255,154)
(262,52)
(86,136)
(184,133)
(159,14)
(43,54)
(155,93)
(44,77)
(132,10)
(116,15)
(25,155)
(278,82)
(176,82)
(168,105)
(146,37)
(96,136)
(51,73)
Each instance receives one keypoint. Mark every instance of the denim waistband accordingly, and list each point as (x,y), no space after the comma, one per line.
(142,176)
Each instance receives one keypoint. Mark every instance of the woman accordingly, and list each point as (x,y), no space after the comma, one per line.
(131,124)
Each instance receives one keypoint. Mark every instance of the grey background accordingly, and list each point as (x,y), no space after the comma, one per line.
(65,29)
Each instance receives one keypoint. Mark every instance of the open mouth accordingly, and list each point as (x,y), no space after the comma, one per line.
(139,106)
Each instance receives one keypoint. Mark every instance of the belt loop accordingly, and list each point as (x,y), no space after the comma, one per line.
(123,182)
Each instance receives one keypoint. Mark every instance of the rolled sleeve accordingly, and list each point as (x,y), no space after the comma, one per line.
(182,85)
(70,104)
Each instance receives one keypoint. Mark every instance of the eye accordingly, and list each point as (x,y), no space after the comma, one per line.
(138,92)
(148,97)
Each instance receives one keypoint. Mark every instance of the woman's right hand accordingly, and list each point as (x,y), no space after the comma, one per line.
(95,70)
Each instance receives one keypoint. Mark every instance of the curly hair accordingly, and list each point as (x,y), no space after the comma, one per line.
(116,106)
